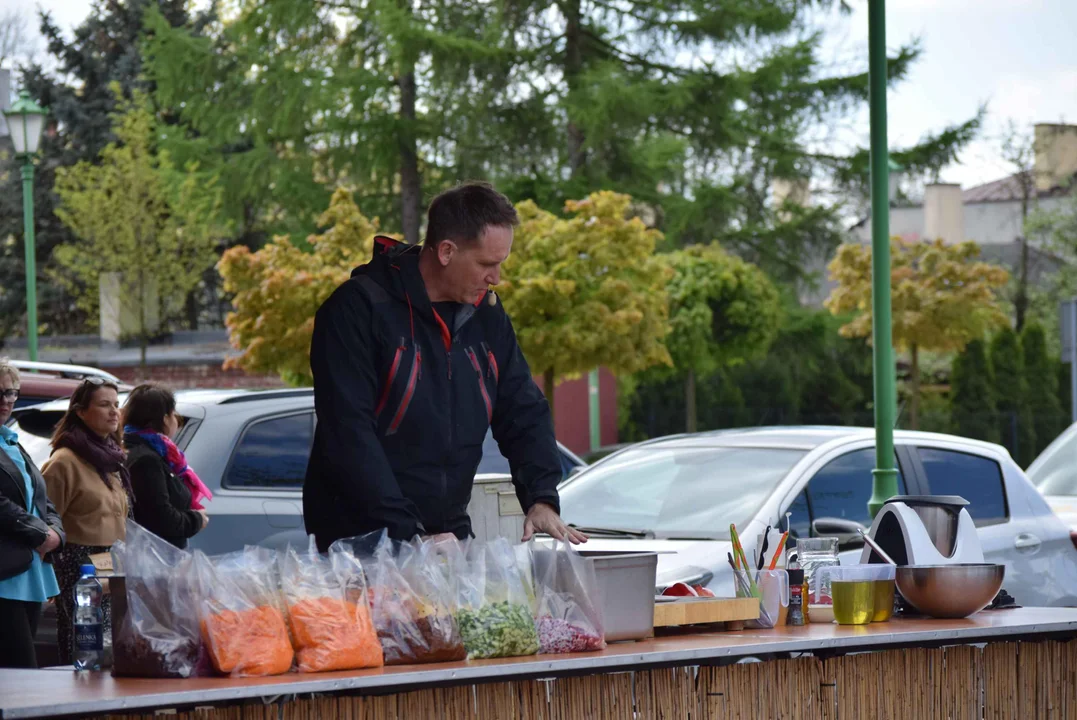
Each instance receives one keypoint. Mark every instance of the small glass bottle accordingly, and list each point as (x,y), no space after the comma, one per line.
(796,597)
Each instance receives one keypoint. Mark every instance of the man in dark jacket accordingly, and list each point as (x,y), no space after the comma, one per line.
(414,359)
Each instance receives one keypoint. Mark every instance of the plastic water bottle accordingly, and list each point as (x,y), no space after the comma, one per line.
(88,630)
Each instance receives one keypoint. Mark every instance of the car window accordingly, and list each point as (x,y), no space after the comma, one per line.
(690,491)
(492,462)
(272,453)
(973,477)
(841,489)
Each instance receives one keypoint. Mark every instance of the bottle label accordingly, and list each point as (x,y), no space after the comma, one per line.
(89,637)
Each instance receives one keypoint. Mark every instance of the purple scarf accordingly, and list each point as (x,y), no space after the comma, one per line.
(104,453)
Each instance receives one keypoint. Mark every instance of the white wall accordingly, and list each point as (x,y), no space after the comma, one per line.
(995,223)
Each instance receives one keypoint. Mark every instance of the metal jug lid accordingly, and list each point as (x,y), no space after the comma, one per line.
(937,500)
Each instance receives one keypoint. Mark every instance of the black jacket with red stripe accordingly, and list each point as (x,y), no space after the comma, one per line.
(404,403)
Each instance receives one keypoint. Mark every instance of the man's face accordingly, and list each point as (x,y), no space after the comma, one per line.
(470,269)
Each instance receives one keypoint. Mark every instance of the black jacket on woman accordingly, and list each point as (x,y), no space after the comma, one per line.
(162,500)
(21,532)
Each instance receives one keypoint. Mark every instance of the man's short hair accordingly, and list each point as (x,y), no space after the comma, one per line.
(462,213)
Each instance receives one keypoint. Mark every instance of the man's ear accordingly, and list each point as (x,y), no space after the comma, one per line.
(446,250)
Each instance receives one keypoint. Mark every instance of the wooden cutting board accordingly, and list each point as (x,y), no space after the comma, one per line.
(695,611)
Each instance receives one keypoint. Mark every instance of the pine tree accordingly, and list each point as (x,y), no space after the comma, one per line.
(1016,428)
(692,107)
(292,98)
(972,394)
(1041,380)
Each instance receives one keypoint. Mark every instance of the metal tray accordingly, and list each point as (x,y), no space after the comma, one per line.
(626,592)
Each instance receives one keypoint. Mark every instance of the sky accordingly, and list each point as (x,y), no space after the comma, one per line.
(1017,56)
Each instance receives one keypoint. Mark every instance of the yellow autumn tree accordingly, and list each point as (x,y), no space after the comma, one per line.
(279,288)
(587,290)
(943,297)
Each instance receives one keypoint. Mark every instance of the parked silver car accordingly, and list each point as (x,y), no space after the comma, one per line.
(251,450)
(678,496)
(1054,473)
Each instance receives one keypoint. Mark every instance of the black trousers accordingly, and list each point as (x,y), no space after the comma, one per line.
(18,625)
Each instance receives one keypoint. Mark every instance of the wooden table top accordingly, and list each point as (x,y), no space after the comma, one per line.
(61,691)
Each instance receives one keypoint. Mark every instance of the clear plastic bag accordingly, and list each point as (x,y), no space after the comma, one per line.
(158,636)
(494,613)
(330,632)
(409,597)
(240,613)
(568,617)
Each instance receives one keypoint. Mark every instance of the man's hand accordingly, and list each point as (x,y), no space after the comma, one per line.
(543,518)
(51,543)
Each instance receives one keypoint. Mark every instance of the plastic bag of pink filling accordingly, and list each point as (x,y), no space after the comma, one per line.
(567,613)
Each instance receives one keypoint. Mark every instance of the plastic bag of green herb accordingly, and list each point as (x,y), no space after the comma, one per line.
(494,613)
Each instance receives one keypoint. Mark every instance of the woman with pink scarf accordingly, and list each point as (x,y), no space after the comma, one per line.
(168,493)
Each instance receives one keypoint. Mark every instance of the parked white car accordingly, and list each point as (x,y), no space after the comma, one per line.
(1054,473)
(678,496)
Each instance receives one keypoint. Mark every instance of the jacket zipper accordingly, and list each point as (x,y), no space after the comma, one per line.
(482,384)
(409,391)
(384,398)
(493,362)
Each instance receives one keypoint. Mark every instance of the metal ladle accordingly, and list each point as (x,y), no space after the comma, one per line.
(875,546)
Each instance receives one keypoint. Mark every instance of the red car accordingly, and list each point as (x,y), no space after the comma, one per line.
(42,382)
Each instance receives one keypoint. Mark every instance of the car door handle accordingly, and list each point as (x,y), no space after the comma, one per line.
(1026,540)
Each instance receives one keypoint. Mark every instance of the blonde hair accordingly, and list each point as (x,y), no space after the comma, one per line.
(6,368)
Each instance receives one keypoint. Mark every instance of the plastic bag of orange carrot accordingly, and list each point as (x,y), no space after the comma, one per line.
(331,630)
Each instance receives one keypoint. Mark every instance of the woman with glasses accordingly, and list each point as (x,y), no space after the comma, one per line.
(30,535)
(168,491)
(90,485)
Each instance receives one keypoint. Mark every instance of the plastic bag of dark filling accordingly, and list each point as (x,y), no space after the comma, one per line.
(158,636)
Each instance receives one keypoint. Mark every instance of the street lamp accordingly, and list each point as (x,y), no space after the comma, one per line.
(25,121)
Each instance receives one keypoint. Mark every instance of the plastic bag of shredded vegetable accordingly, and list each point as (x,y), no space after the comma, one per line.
(330,632)
(240,616)
(567,614)
(409,598)
(494,611)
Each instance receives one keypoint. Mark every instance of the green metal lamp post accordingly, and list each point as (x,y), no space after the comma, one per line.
(25,121)
(885,474)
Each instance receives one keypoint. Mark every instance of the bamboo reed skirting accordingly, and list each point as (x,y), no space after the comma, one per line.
(1003,680)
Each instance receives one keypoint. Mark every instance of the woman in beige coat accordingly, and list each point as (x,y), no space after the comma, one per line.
(89,484)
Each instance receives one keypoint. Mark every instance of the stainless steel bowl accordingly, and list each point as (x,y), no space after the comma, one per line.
(950,591)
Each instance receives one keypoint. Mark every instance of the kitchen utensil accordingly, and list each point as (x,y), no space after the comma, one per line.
(950,591)
(626,592)
(778,550)
(882,585)
(763,549)
(694,611)
(813,555)
(773,596)
(852,592)
(741,556)
(875,546)
(925,530)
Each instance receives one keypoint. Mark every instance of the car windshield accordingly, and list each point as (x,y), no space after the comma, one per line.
(682,491)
